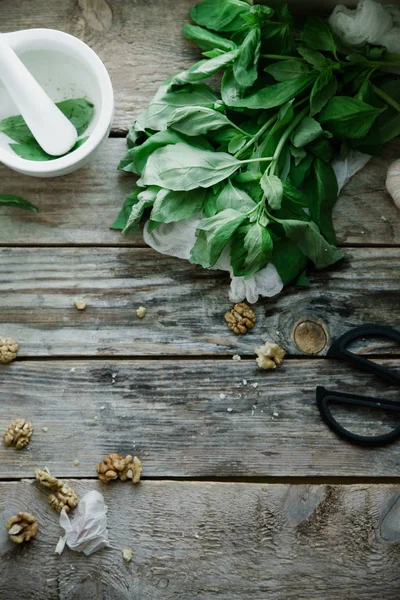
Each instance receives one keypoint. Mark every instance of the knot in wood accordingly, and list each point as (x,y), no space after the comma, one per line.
(310,337)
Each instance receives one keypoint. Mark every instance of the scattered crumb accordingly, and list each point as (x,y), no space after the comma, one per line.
(222,396)
(255,406)
(244,381)
(95,418)
(127,555)
(384,218)
(229,409)
(141,311)
(196,535)
(20,466)
(45,429)
(73,370)
(114,375)
(236,357)
(261,410)
(277,333)
(76,462)
(252,413)
(255,385)
(102,407)
(80,304)
(363,232)
(275,414)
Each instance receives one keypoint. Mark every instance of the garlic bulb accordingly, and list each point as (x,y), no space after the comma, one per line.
(393,182)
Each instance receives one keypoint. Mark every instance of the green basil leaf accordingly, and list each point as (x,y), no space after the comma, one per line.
(11,200)
(245,65)
(308,238)
(165,102)
(233,197)
(122,219)
(220,15)
(135,159)
(277,35)
(196,120)
(258,15)
(251,250)
(287,69)
(204,68)
(307,131)
(146,199)
(318,35)
(32,150)
(283,13)
(288,259)
(294,195)
(322,148)
(298,154)
(324,88)
(322,191)
(299,172)
(207,40)
(273,189)
(182,167)
(171,206)
(316,59)
(213,53)
(348,118)
(213,234)
(236,143)
(274,95)
(210,202)
(302,280)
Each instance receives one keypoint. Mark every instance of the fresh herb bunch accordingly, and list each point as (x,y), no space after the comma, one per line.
(78,110)
(255,159)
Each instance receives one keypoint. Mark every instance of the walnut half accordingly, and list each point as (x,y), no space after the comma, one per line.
(115,466)
(22,527)
(269,356)
(8,349)
(241,318)
(61,494)
(18,433)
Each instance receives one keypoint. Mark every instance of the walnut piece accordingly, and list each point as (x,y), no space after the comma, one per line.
(80,304)
(64,497)
(8,349)
(22,527)
(115,466)
(241,318)
(141,311)
(61,494)
(127,555)
(269,356)
(18,433)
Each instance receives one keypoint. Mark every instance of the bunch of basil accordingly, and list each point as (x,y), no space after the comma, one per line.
(255,158)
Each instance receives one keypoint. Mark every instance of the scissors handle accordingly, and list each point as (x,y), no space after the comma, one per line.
(325,398)
(338,350)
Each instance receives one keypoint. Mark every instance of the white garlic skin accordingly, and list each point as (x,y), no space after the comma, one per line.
(393,182)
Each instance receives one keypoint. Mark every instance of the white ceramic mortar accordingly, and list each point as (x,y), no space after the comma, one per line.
(66,68)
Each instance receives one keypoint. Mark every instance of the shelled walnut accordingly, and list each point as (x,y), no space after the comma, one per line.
(61,494)
(269,356)
(241,318)
(22,527)
(8,349)
(115,466)
(18,434)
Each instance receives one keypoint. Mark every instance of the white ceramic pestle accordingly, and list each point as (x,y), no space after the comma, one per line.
(51,129)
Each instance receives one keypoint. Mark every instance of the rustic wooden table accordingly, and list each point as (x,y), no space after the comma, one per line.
(259,502)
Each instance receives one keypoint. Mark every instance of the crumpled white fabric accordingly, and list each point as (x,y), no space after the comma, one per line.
(5,543)
(371,22)
(86,530)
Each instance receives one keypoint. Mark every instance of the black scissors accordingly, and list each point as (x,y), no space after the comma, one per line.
(325,398)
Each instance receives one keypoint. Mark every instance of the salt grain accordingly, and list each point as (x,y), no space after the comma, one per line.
(244,381)
(76,463)
(73,370)
(229,410)
(45,429)
(275,414)
(384,218)
(255,385)
(102,407)
(222,396)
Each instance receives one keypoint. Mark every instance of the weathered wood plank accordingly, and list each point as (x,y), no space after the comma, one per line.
(139,41)
(215,541)
(185,303)
(79,208)
(190,418)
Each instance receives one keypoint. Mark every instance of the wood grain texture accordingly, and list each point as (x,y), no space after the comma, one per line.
(215,541)
(185,303)
(79,208)
(139,41)
(191,418)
